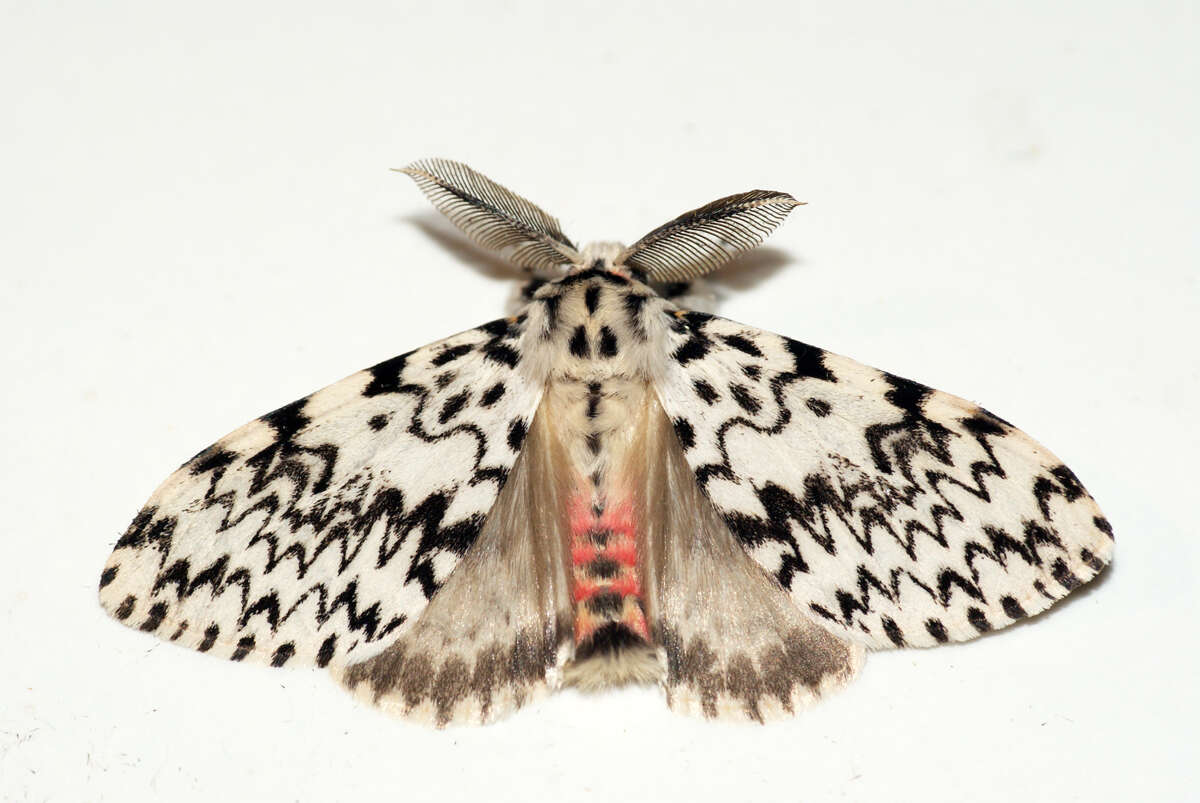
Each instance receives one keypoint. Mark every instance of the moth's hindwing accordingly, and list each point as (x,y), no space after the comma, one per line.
(499,630)
(896,514)
(734,643)
(319,531)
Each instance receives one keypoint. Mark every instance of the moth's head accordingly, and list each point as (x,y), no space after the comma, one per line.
(604,256)
(686,248)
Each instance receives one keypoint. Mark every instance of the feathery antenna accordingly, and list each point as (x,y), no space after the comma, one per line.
(493,216)
(704,239)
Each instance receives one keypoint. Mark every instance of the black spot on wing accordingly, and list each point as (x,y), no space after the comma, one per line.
(978,620)
(1061,482)
(1090,560)
(694,348)
(809,361)
(210,638)
(742,344)
(984,424)
(745,399)
(819,407)
(501,327)
(687,435)
(938,630)
(282,654)
(893,631)
(1064,576)
(707,393)
(516,434)
(154,617)
(906,394)
(378,422)
(244,646)
(450,354)
(325,653)
(492,395)
(125,608)
(385,377)
(495,349)
(709,470)
(176,574)
(288,420)
(698,343)
(453,406)
(1013,608)
(108,575)
(502,353)
(1072,487)
(211,459)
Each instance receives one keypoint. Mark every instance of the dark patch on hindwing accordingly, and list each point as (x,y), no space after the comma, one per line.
(411,678)
(801,659)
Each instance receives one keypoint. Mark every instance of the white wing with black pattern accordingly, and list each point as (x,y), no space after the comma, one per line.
(897,514)
(318,532)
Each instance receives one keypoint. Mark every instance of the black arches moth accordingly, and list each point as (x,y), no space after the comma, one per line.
(608,486)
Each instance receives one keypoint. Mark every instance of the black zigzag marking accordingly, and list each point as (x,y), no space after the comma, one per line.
(808,363)
(284,473)
(894,447)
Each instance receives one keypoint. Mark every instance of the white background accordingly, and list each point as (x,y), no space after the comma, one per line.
(199,225)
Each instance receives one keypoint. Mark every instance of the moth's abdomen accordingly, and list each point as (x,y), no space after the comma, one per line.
(612,640)
(607,591)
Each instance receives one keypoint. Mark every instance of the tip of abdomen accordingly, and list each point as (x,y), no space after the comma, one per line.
(613,655)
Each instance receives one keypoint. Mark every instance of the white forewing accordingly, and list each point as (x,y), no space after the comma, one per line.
(320,531)
(897,514)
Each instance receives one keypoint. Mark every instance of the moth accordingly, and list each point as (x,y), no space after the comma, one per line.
(609,486)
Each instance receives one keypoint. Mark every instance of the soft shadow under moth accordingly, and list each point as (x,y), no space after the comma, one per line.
(609,486)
